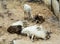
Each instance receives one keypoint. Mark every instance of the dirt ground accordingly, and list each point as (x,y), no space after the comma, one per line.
(16,10)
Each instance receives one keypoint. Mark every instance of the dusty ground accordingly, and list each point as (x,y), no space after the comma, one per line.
(17,13)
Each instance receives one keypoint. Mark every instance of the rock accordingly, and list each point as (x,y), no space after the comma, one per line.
(12,19)
(1,15)
(0,26)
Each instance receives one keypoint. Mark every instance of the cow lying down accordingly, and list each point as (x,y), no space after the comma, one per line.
(36,32)
(16,27)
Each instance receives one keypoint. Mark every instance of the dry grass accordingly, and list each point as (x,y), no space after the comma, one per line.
(17,14)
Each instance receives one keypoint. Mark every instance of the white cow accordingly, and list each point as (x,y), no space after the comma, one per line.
(35,31)
(53,5)
(27,11)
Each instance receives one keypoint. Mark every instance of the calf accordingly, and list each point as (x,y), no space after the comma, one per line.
(27,11)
